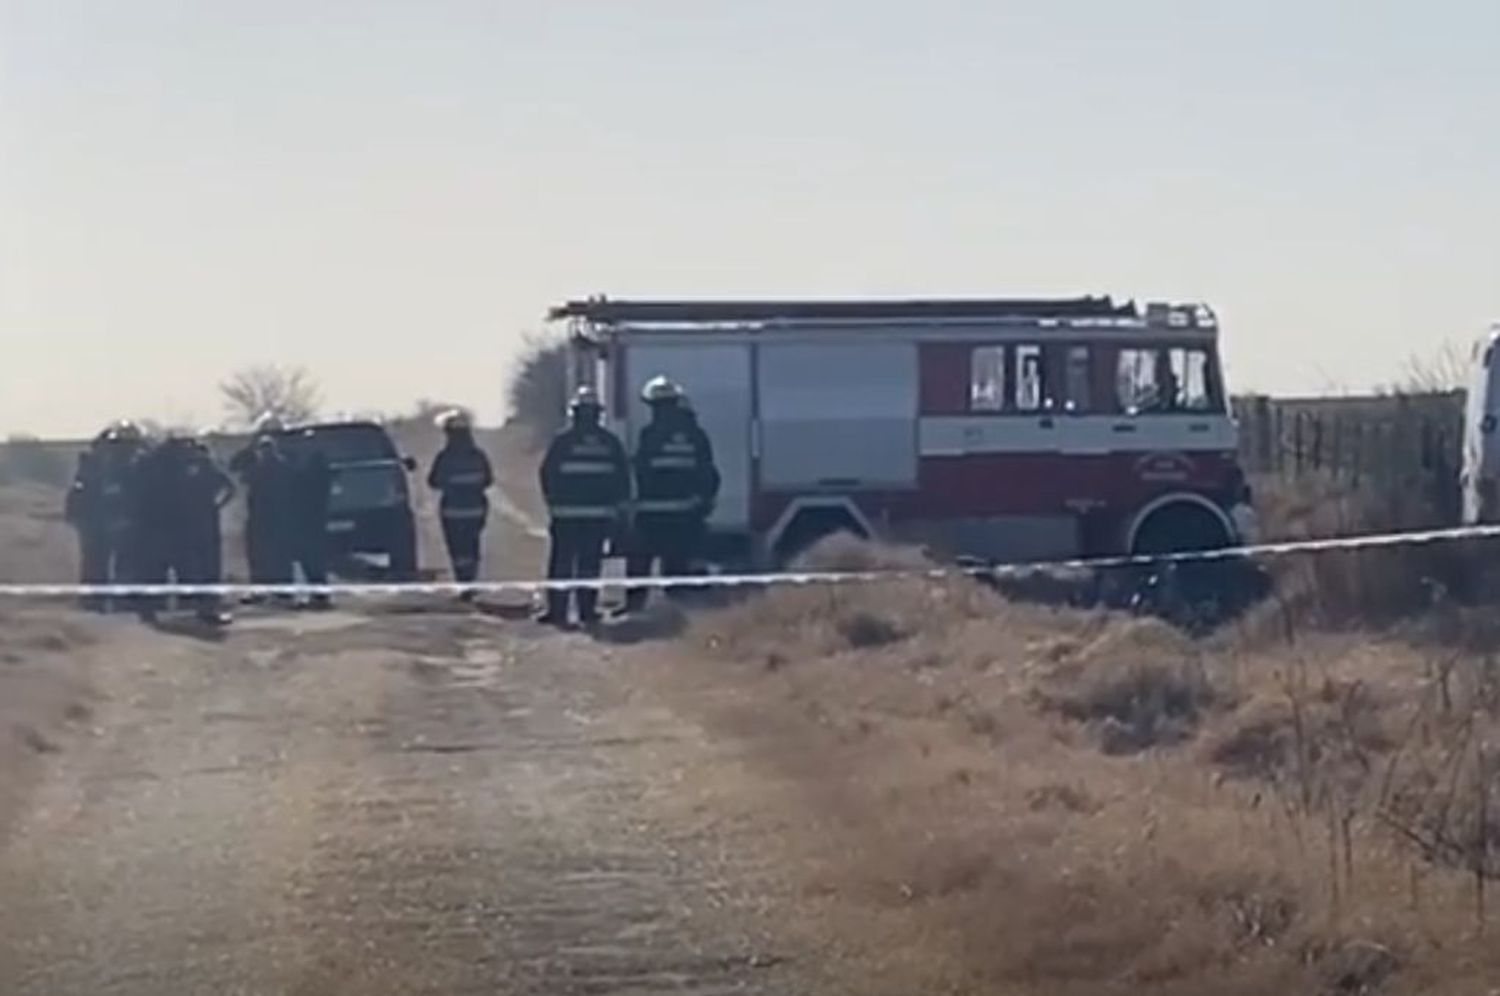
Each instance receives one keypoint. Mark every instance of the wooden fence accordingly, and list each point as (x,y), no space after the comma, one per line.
(1398,441)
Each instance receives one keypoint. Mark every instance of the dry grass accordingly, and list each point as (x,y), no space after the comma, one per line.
(1029,800)
(1366,587)
(35,543)
(44,695)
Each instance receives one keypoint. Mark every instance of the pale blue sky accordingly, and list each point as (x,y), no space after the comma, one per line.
(389,193)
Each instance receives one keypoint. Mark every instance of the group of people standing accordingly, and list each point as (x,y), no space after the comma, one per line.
(149,512)
(655,505)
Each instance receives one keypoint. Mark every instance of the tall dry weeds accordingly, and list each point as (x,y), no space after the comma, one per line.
(1373,586)
(1086,801)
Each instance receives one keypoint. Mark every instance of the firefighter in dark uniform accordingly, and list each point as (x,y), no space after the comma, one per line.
(97,506)
(675,482)
(178,495)
(462,473)
(313,489)
(270,504)
(585,479)
(710,491)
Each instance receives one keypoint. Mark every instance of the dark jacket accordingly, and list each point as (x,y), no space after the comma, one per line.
(585,474)
(462,473)
(179,489)
(99,498)
(674,467)
(270,483)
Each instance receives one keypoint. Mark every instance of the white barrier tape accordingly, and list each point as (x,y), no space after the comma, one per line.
(376,589)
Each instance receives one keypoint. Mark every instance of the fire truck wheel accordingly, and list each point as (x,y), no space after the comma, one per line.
(1178,528)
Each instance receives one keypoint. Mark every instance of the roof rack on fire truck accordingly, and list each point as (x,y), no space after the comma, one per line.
(683,315)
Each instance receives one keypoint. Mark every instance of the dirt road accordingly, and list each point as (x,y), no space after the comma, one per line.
(419,802)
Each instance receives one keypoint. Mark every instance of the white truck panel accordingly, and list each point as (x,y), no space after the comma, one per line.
(838,415)
(716,377)
(1481,436)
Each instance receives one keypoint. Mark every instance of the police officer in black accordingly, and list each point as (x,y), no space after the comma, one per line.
(206,490)
(585,480)
(711,485)
(269,479)
(312,490)
(462,473)
(675,482)
(177,496)
(97,506)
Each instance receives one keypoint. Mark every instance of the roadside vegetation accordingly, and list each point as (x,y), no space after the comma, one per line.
(1080,802)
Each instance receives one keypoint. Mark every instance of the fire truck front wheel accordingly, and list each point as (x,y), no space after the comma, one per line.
(1179,528)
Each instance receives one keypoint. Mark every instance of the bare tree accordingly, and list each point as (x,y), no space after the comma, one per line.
(1445,369)
(539,386)
(289,393)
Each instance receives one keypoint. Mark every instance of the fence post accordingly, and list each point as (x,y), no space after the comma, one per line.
(1262,412)
(1317,442)
(1336,457)
(1357,446)
(1280,431)
(1297,442)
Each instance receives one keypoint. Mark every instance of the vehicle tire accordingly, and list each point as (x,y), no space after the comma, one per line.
(1180,528)
(1192,595)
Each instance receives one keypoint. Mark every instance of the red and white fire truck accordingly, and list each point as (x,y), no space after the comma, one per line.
(1008,430)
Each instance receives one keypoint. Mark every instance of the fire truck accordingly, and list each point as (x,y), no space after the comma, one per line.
(1001,430)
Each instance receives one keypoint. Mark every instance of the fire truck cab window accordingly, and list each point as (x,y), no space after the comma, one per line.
(1031,382)
(1166,380)
(1195,391)
(1078,374)
(987,379)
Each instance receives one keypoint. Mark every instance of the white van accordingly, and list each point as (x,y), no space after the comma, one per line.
(1480,478)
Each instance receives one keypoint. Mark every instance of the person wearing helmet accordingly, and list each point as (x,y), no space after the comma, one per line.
(97,507)
(268,478)
(585,479)
(462,474)
(269,424)
(711,484)
(675,482)
(178,498)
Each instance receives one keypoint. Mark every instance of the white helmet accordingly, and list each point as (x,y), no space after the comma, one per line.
(585,397)
(454,420)
(268,423)
(661,389)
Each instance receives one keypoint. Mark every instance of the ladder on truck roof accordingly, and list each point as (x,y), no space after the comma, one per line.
(603,311)
(613,317)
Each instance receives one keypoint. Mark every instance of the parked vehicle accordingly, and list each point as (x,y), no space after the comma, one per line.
(1479,476)
(369,512)
(1011,430)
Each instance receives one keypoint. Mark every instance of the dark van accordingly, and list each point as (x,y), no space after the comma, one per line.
(369,510)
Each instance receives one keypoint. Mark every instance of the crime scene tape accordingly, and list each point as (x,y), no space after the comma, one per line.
(394,588)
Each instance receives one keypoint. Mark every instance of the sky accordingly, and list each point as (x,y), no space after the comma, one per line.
(391,194)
